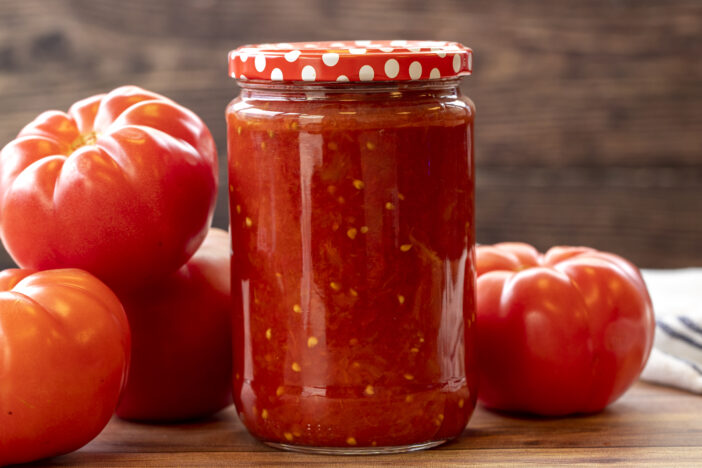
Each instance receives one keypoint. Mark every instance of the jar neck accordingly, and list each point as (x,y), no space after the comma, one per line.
(326,90)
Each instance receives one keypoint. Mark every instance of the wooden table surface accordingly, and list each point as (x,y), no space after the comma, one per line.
(649,425)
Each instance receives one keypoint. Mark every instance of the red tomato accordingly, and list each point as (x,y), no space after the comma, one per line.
(560,333)
(123,186)
(181,334)
(64,353)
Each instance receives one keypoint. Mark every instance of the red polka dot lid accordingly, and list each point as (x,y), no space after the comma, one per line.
(351,61)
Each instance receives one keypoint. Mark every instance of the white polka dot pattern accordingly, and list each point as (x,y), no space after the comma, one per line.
(309,73)
(292,55)
(415,70)
(277,74)
(330,59)
(352,61)
(392,68)
(260,62)
(366,73)
(456,63)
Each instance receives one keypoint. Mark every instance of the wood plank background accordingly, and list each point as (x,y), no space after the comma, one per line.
(589,127)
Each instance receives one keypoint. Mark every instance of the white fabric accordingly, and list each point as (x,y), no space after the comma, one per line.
(676,359)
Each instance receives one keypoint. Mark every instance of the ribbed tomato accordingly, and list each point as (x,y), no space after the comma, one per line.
(123,186)
(564,332)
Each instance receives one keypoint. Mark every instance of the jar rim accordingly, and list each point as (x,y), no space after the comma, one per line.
(345,87)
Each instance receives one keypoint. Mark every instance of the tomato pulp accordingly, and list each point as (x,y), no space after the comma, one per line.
(353,276)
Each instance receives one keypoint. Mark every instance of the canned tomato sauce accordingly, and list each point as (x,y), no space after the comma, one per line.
(352,205)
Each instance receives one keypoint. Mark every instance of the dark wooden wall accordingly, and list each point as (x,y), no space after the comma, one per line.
(589,125)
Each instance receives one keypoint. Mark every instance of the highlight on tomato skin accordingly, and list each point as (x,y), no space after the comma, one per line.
(64,354)
(122,185)
(559,333)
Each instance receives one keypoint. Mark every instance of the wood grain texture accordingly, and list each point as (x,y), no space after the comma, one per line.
(589,127)
(649,426)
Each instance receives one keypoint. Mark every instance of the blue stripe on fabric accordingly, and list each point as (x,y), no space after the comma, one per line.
(690,324)
(677,335)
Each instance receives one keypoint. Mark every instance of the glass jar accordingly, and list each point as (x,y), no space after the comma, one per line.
(353,271)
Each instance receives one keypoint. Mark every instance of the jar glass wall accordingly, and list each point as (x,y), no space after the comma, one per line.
(352,210)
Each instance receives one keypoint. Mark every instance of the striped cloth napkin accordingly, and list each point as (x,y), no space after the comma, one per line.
(676,359)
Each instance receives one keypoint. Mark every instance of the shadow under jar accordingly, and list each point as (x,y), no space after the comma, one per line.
(353,280)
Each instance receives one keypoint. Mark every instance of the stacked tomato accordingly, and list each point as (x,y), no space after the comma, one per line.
(104,208)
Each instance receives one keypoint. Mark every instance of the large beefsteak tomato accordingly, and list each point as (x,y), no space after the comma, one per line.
(64,354)
(123,186)
(564,332)
(181,340)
